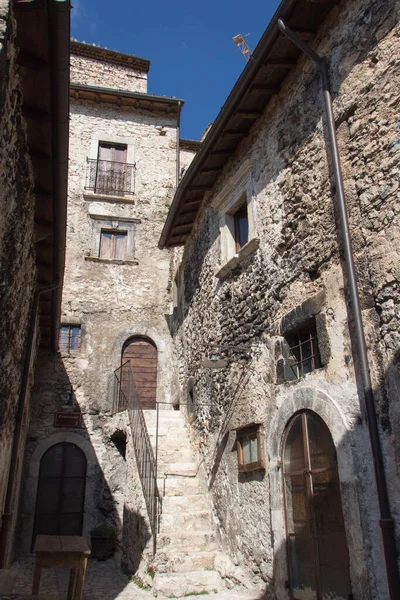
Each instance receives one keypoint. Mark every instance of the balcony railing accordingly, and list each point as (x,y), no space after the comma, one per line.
(110,178)
(126,398)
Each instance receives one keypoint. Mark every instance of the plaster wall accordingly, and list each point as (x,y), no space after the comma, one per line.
(88,71)
(297,258)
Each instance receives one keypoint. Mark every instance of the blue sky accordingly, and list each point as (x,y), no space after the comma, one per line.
(189,44)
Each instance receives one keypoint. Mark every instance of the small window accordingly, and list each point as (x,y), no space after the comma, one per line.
(113,244)
(241,222)
(70,338)
(304,351)
(250,449)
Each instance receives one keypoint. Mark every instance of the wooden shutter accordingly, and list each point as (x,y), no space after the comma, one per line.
(142,355)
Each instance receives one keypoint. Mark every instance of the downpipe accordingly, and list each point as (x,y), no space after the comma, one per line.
(12,474)
(386,522)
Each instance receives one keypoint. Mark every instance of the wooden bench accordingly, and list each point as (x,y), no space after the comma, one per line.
(62,551)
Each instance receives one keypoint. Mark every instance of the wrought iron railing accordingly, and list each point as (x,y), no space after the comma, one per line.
(126,398)
(110,177)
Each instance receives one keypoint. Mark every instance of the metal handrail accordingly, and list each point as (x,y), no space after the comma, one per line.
(110,177)
(126,397)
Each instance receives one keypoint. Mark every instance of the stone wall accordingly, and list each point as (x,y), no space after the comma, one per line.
(88,71)
(17,266)
(297,259)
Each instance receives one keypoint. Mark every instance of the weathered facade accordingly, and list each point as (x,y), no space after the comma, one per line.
(32,206)
(124,151)
(271,310)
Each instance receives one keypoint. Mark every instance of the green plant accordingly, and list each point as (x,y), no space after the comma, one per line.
(202,593)
(104,530)
(139,582)
(151,571)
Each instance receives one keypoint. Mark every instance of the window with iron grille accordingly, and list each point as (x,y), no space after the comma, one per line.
(304,351)
(113,244)
(70,338)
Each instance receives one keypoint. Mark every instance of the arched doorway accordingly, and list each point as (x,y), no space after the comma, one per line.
(141,355)
(317,550)
(61,491)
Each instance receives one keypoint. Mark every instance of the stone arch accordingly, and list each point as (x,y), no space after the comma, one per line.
(318,401)
(29,500)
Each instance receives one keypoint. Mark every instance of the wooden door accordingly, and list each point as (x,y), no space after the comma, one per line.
(61,491)
(316,538)
(142,356)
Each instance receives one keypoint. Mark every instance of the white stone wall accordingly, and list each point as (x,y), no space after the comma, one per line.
(298,258)
(88,71)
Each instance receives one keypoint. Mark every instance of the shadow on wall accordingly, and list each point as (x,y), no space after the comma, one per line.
(76,474)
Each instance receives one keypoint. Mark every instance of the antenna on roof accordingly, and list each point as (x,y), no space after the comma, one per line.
(243,47)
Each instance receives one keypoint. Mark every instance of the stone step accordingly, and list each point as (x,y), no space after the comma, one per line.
(186,521)
(171,455)
(178,486)
(184,584)
(181,562)
(175,504)
(177,467)
(194,541)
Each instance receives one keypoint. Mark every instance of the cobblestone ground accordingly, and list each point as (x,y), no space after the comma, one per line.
(104,581)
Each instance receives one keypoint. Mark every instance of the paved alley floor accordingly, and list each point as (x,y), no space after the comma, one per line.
(104,581)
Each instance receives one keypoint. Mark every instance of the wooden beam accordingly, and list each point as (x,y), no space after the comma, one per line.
(31,61)
(201,187)
(305,34)
(281,63)
(249,114)
(183,229)
(34,113)
(231,133)
(211,170)
(266,89)
(40,192)
(223,152)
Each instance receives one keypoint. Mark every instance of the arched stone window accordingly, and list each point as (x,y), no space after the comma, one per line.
(141,354)
(316,540)
(61,491)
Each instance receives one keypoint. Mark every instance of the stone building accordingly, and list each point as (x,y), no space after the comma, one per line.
(280,421)
(34,72)
(125,158)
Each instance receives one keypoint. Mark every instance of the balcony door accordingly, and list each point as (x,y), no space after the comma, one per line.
(316,539)
(111,169)
(141,354)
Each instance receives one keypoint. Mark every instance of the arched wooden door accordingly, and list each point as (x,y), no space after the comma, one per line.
(61,491)
(316,540)
(141,353)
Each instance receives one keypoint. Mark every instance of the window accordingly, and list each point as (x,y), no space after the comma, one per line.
(110,174)
(235,203)
(113,244)
(304,351)
(113,240)
(250,448)
(241,222)
(70,338)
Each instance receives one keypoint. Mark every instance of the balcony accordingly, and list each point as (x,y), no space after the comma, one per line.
(110,178)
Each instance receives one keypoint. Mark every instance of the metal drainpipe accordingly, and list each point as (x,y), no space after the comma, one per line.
(12,474)
(386,522)
(178,133)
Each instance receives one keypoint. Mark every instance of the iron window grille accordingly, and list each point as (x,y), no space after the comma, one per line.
(304,350)
(110,177)
(70,338)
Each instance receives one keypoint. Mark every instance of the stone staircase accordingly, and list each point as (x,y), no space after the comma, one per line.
(186,545)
